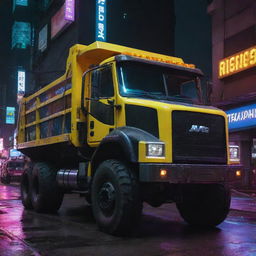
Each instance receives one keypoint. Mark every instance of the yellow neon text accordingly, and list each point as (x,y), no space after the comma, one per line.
(237,62)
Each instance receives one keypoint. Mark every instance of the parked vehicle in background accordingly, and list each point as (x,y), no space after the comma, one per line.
(12,169)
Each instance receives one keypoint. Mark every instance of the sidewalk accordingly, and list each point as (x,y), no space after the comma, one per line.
(243,202)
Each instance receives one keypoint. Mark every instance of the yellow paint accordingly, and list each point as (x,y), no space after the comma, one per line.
(80,59)
(238,62)
(164,111)
(89,171)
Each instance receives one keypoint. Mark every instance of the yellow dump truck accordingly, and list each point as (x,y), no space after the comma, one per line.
(124,126)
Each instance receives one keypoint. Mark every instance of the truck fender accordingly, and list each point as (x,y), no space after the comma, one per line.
(122,143)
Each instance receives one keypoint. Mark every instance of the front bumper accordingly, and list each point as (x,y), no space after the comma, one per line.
(188,173)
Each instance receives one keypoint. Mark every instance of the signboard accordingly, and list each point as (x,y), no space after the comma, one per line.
(238,62)
(101,17)
(21,2)
(63,18)
(42,38)
(70,10)
(10,115)
(242,118)
(15,153)
(21,81)
(21,35)
(234,154)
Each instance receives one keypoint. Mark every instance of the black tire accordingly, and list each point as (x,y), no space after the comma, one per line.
(204,205)
(25,190)
(6,179)
(88,198)
(116,202)
(45,195)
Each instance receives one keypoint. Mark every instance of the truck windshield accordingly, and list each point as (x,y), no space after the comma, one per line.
(144,80)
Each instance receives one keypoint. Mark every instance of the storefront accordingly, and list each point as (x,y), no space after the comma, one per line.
(241,110)
(242,140)
(234,77)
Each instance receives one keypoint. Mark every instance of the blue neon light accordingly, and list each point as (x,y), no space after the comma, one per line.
(22,2)
(21,35)
(242,118)
(10,115)
(101,23)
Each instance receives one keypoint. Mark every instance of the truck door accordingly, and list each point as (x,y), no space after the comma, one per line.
(101,117)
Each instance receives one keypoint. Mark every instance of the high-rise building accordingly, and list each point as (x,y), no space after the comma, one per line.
(63,23)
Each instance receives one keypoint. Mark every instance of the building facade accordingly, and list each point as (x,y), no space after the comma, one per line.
(15,52)
(234,77)
(63,23)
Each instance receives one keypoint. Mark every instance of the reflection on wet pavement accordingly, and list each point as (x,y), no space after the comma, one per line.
(73,231)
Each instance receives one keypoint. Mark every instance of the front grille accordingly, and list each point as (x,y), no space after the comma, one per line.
(196,145)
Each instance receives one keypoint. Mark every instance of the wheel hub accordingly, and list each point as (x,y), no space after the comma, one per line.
(106,198)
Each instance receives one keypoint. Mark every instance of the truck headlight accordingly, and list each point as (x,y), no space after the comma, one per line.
(155,149)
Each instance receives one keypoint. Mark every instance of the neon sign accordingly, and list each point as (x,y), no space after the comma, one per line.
(10,115)
(63,18)
(242,118)
(22,2)
(101,17)
(21,81)
(70,10)
(238,62)
(21,35)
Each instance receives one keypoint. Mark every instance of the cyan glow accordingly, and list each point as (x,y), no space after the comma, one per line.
(122,77)
(21,35)
(10,115)
(22,2)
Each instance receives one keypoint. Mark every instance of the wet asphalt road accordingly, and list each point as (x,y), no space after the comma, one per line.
(162,232)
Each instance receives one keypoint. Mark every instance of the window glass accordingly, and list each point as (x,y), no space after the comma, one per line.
(102,83)
(30,133)
(144,80)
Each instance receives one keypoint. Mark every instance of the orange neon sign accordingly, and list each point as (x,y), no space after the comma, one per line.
(238,62)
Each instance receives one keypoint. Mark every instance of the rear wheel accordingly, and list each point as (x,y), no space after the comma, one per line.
(204,205)
(116,200)
(45,193)
(25,188)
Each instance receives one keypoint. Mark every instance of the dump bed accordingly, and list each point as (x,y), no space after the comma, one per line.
(53,114)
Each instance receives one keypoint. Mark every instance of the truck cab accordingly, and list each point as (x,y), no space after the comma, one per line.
(160,105)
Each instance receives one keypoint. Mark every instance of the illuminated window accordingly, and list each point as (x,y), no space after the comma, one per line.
(21,35)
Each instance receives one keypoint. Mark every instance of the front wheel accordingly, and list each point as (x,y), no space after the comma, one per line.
(116,202)
(204,204)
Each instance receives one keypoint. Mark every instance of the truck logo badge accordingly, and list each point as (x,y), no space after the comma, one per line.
(199,129)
